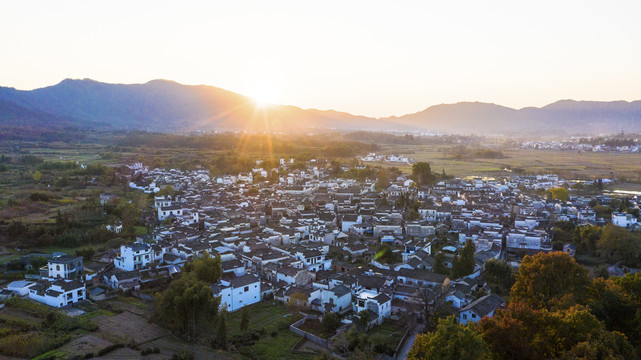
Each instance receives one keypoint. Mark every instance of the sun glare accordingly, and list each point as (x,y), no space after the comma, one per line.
(263,94)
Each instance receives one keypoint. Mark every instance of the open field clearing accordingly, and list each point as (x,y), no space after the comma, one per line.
(568,164)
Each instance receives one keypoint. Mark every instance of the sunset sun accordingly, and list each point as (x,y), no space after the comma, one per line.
(263,94)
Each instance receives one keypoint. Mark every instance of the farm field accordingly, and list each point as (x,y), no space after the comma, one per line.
(568,164)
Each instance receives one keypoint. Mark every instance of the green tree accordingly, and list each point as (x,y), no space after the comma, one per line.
(559,193)
(466,263)
(383,178)
(187,304)
(297,301)
(86,253)
(364,317)
(618,244)
(37,175)
(588,236)
(439,264)
(130,215)
(385,254)
(206,268)
(499,275)
(331,322)
(551,281)
(244,320)
(422,173)
(521,332)
(450,341)
(221,334)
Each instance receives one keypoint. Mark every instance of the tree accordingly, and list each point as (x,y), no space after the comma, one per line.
(588,236)
(221,334)
(499,275)
(551,281)
(422,173)
(331,322)
(521,332)
(465,263)
(383,178)
(86,253)
(37,175)
(559,193)
(385,254)
(187,303)
(207,269)
(439,264)
(618,244)
(130,215)
(449,341)
(244,321)
(297,301)
(364,317)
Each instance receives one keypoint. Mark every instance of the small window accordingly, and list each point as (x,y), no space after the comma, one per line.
(246,288)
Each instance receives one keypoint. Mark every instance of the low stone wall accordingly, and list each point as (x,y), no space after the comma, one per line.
(309,336)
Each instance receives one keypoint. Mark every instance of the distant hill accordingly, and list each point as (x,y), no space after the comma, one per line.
(561,117)
(162,105)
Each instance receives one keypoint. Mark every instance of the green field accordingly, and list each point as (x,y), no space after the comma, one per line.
(568,164)
(263,314)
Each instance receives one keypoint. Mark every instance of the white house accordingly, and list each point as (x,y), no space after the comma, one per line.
(337,299)
(380,305)
(135,256)
(484,306)
(65,267)
(21,287)
(623,219)
(238,292)
(162,201)
(167,211)
(58,293)
(349,220)
(314,260)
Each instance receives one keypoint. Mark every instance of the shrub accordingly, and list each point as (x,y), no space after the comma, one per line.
(107,349)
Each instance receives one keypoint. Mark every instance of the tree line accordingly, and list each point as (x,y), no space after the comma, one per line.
(556,311)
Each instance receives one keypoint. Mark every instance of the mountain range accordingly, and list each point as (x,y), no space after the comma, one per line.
(167,106)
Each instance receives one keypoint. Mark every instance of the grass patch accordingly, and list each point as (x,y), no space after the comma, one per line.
(53,354)
(279,347)
(31,344)
(315,327)
(140,230)
(95,313)
(266,315)
(132,301)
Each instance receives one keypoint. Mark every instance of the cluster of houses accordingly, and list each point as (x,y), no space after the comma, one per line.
(308,237)
(386,158)
(579,144)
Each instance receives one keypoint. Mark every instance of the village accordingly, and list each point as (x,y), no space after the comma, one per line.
(328,244)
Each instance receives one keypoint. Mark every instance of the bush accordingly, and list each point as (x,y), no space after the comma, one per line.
(149,351)
(89,355)
(283,325)
(107,349)
(39,196)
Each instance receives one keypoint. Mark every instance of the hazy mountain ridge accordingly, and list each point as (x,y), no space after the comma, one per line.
(162,105)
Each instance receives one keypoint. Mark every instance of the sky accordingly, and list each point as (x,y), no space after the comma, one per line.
(374,58)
